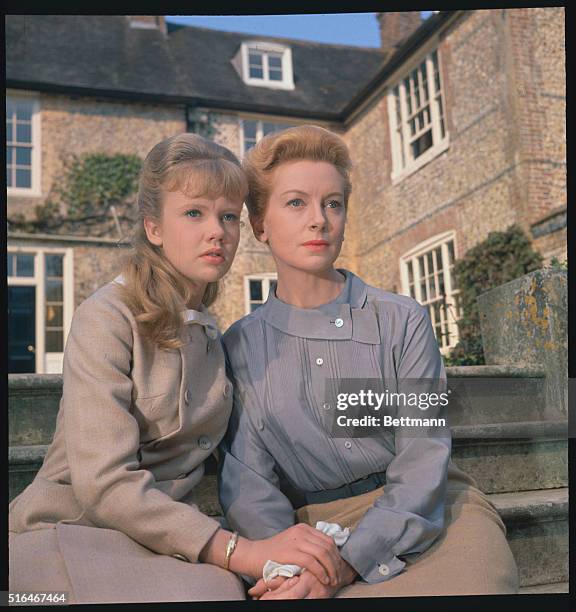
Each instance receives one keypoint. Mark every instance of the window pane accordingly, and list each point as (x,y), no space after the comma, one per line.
(256,73)
(249,129)
(9,153)
(275,75)
(412,127)
(275,61)
(53,265)
(54,313)
(256,290)
(25,265)
(430,264)
(23,132)
(8,178)
(11,260)
(24,111)
(8,131)
(421,144)
(255,59)
(410,273)
(54,291)
(23,156)
(423,292)
(421,262)
(23,178)
(441,284)
(10,108)
(54,341)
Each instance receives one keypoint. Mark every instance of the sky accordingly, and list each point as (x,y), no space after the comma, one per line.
(359,29)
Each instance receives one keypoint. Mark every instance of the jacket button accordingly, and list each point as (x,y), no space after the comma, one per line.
(348,444)
(339,322)
(383,569)
(319,361)
(186,395)
(181,557)
(204,442)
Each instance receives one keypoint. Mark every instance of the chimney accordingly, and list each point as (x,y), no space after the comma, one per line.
(148,22)
(395,28)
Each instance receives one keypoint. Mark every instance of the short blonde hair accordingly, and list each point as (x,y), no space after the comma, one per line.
(305,142)
(154,290)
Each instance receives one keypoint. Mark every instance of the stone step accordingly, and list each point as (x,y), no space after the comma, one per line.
(508,457)
(555,587)
(537,531)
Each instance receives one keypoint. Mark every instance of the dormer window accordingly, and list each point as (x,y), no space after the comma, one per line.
(267,65)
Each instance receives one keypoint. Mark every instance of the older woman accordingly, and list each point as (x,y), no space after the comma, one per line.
(111,516)
(418,525)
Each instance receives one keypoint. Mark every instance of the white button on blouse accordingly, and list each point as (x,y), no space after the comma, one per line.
(383,569)
(319,361)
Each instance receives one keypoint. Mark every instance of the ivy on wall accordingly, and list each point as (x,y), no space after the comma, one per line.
(500,258)
(94,196)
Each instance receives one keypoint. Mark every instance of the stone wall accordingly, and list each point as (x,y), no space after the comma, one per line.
(77,125)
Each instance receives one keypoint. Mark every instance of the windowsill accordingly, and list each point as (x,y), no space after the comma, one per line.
(421,161)
(269,84)
(23,193)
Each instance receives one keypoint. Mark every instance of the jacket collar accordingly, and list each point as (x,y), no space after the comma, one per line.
(190,316)
(344,318)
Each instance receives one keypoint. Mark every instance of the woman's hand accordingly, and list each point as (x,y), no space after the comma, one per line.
(304,546)
(305,586)
(347,573)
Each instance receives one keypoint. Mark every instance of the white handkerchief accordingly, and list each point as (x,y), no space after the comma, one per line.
(272,569)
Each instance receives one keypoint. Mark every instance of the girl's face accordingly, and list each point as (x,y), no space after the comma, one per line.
(199,236)
(305,216)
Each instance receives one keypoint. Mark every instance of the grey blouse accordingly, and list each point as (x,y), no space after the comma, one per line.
(280,358)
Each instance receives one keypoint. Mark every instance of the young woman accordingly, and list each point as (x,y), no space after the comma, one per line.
(111,515)
(418,525)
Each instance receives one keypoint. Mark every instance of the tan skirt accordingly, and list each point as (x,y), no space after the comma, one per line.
(97,565)
(470,557)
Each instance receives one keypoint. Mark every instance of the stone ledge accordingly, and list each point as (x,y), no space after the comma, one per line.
(532,506)
(508,431)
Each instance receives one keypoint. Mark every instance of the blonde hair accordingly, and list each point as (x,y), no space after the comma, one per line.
(309,142)
(154,290)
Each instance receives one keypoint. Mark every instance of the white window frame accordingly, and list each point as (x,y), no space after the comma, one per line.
(403,164)
(287,81)
(259,129)
(266,278)
(47,363)
(412,256)
(36,189)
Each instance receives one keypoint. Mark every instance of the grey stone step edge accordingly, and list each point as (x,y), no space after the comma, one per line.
(554,587)
(557,429)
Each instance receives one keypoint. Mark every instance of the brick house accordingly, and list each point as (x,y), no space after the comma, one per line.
(456,126)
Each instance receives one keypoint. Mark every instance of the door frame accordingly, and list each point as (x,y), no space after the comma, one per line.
(38,281)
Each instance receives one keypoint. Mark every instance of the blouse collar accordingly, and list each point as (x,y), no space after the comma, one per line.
(343,318)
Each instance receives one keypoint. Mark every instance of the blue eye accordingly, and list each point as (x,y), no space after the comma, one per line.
(296,203)
(333,204)
(193,213)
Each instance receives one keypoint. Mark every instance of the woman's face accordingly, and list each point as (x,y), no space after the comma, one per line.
(305,216)
(199,236)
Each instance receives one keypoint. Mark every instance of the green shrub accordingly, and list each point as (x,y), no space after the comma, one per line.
(500,258)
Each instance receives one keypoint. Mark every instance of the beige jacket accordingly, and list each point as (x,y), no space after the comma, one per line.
(134,428)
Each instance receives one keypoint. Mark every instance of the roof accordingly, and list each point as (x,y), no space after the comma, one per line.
(102,54)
